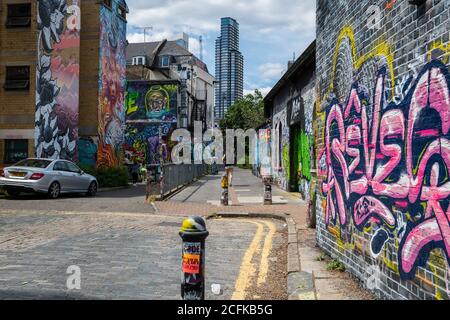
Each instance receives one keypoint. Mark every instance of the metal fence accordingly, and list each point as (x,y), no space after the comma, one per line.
(176,176)
(172,177)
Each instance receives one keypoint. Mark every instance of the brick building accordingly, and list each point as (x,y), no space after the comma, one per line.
(382,84)
(62,78)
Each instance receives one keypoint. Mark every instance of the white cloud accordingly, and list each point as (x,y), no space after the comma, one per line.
(270,30)
(202,16)
(271,71)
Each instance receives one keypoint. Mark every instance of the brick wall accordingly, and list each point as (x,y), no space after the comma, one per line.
(89,67)
(17,48)
(382,143)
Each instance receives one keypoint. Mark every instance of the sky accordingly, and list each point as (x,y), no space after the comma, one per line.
(271,31)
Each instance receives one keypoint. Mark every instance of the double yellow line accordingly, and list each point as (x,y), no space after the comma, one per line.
(248,266)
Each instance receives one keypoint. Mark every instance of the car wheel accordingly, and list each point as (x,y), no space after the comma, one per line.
(54,190)
(92,191)
(13,193)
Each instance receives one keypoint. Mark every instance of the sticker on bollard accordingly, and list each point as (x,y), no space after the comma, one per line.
(191,257)
(194,233)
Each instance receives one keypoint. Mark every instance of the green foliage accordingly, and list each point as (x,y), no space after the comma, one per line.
(109,177)
(335,265)
(246,113)
(321,257)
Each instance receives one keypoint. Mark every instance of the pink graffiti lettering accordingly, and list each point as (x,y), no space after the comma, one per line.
(380,156)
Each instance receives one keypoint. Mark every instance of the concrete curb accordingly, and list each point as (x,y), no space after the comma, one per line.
(300,284)
(112,189)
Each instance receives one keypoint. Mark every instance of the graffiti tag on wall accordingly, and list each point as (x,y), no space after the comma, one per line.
(384,160)
(57,79)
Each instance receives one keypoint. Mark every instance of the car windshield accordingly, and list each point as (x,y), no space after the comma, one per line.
(33,163)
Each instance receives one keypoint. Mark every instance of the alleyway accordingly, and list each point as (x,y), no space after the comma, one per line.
(246,195)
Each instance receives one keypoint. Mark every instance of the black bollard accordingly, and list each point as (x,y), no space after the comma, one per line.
(267,180)
(224,184)
(194,233)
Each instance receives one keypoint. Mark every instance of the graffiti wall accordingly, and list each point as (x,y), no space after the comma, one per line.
(280,149)
(151,102)
(57,79)
(302,136)
(112,81)
(262,156)
(384,159)
(151,117)
(87,151)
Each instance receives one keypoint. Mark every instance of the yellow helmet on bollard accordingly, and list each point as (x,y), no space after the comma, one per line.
(193,224)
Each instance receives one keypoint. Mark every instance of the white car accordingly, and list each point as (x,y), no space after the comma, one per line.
(49,176)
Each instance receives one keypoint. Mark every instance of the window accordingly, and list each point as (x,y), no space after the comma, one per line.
(17,78)
(19,15)
(122,12)
(107,3)
(165,61)
(73,168)
(34,163)
(60,166)
(16,150)
(138,61)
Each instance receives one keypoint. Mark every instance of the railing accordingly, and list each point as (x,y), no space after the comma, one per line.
(176,176)
(173,177)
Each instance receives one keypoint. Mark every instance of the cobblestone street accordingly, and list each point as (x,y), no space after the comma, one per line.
(129,249)
(121,256)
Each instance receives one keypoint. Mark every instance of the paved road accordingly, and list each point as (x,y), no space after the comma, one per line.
(124,256)
(125,200)
(246,189)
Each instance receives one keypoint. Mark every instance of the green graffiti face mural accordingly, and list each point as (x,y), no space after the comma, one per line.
(151,117)
(151,102)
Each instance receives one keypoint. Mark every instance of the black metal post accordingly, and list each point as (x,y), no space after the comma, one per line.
(194,233)
(267,180)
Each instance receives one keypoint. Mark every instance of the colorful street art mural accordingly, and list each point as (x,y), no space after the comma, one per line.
(302,136)
(151,117)
(386,159)
(57,79)
(87,152)
(280,149)
(148,143)
(112,81)
(151,102)
(262,156)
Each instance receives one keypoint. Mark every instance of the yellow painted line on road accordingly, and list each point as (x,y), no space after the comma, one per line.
(247,268)
(267,247)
